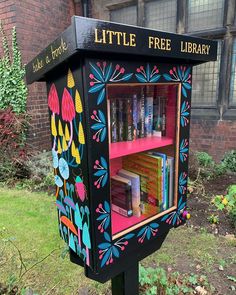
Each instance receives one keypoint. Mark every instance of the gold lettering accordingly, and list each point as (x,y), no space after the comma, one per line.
(118,34)
(132,40)
(96,37)
(159,43)
(194,48)
(110,33)
(125,42)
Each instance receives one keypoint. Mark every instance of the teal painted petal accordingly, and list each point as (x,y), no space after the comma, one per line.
(72,243)
(63,168)
(77,217)
(86,236)
(58,181)
(54,159)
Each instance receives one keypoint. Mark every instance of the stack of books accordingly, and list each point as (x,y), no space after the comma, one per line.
(137,116)
(145,185)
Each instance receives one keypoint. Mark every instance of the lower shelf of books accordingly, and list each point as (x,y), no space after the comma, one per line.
(142,188)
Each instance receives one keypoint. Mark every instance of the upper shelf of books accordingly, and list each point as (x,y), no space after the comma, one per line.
(140,118)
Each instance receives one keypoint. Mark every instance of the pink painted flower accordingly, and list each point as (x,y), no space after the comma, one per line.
(171,72)
(122,70)
(53,100)
(138,70)
(91,76)
(117,67)
(68,108)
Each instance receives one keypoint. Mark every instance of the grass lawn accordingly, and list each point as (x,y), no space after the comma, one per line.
(30,221)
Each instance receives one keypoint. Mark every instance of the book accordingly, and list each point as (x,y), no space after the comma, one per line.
(149,170)
(121,195)
(171,180)
(135,188)
(149,115)
(135,116)
(165,197)
(120,117)
(163,115)
(128,119)
(113,120)
(156,116)
(141,123)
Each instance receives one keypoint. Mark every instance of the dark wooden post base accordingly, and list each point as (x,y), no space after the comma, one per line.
(127,282)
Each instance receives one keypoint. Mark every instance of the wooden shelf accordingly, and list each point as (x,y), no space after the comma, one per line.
(124,148)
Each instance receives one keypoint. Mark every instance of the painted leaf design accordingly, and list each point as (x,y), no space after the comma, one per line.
(103,134)
(101,96)
(67,133)
(101,217)
(187,85)
(141,231)
(126,77)
(187,72)
(155,78)
(60,131)
(184,92)
(68,223)
(140,78)
(149,233)
(78,102)
(107,237)
(107,207)
(101,117)
(104,246)
(100,173)
(128,236)
(53,126)
(97,126)
(108,72)
(78,218)
(167,77)
(104,163)
(96,72)
(148,71)
(86,236)
(115,252)
(96,88)
(72,242)
(70,79)
(154,225)
(105,257)
(81,134)
(59,149)
(104,181)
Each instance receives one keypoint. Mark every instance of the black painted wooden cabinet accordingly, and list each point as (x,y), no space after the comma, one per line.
(108,86)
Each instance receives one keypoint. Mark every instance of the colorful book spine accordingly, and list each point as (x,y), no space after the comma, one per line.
(163,116)
(113,120)
(121,195)
(128,124)
(149,115)
(135,116)
(120,116)
(171,181)
(142,115)
(135,187)
(156,116)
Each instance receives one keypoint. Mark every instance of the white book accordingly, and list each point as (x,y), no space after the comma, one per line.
(135,185)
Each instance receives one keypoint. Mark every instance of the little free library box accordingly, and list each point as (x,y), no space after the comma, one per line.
(119,100)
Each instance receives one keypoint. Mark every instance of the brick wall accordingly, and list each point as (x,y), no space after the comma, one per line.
(38,23)
(214,137)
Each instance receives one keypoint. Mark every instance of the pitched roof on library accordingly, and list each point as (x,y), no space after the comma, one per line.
(86,35)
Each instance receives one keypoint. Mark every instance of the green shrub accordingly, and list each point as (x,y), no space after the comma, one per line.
(229,161)
(232,216)
(204,159)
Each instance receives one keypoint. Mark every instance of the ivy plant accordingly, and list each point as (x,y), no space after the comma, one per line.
(13,90)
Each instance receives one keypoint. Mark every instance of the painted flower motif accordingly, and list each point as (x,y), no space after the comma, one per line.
(54,159)
(176,217)
(180,74)
(110,250)
(53,100)
(147,232)
(99,126)
(104,211)
(183,151)
(147,75)
(68,108)
(103,72)
(61,207)
(101,173)
(182,183)
(184,114)
(64,168)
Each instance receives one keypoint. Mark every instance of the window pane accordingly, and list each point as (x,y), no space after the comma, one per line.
(161,15)
(206,82)
(205,14)
(125,15)
(233,77)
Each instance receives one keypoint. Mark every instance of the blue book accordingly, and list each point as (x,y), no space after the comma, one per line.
(149,115)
